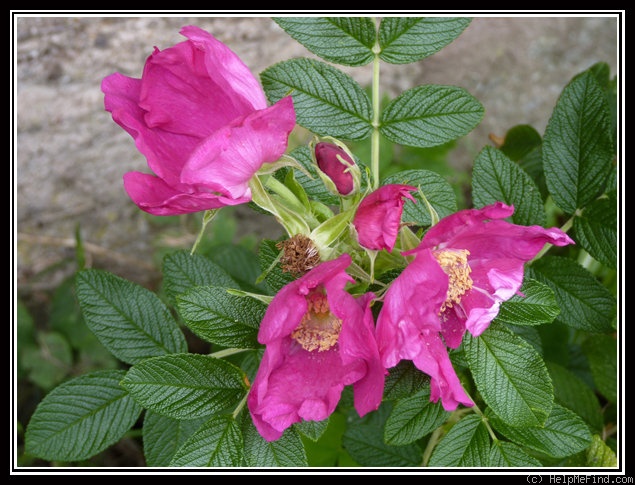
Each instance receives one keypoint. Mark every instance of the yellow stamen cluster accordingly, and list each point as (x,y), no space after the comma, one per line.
(319,329)
(454,263)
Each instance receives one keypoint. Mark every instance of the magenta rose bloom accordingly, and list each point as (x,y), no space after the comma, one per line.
(378,217)
(201,119)
(465,267)
(319,338)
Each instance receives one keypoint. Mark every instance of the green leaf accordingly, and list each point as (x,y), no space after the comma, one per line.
(273,274)
(412,418)
(185,386)
(600,454)
(404,380)
(563,434)
(221,318)
(217,443)
(327,101)
(520,141)
(584,302)
(50,362)
(601,351)
(506,454)
(510,375)
(577,148)
(81,418)
(182,271)
(536,307)
(530,334)
(130,321)
(287,451)
(341,40)
(466,444)
(596,229)
(312,429)
(573,393)
(496,178)
(523,144)
(240,263)
(364,440)
(163,436)
(436,190)
(410,39)
(430,115)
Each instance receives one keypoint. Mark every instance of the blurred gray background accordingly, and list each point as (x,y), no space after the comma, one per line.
(71,156)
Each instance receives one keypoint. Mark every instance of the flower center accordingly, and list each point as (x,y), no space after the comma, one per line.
(299,255)
(454,263)
(319,329)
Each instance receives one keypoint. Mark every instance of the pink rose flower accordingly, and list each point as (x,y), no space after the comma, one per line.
(200,118)
(464,268)
(319,338)
(378,217)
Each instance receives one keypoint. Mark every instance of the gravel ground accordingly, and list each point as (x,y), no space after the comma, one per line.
(71,156)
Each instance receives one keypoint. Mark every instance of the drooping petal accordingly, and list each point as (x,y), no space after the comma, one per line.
(155,196)
(408,327)
(411,305)
(357,342)
(433,359)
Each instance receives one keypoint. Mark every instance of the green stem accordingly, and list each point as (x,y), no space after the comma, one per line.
(208,216)
(241,405)
(374,146)
(225,352)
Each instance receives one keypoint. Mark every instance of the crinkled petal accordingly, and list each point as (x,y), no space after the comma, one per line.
(302,386)
(411,305)
(357,342)
(433,359)
(156,197)
(197,86)
(165,152)
(233,154)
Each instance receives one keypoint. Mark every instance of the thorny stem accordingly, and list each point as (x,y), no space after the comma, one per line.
(374,147)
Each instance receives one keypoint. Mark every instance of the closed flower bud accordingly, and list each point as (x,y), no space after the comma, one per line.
(337,167)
